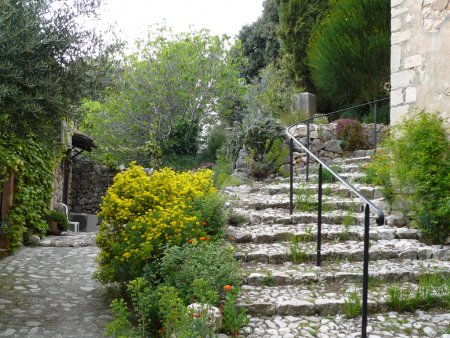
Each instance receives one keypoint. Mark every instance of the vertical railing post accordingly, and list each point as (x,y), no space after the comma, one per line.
(291,176)
(307,154)
(375,126)
(319,218)
(365,272)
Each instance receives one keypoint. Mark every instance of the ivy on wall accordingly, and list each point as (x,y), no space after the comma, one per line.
(32,160)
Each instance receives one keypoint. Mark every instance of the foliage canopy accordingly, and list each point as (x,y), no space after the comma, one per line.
(169,89)
(349,54)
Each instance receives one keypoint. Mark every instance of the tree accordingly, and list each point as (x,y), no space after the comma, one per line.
(259,40)
(271,94)
(298,20)
(48,62)
(169,90)
(349,54)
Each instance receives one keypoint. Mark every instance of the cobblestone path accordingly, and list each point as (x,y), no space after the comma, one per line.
(48,291)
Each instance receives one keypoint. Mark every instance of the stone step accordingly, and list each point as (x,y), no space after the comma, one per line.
(280,252)
(323,298)
(261,202)
(380,271)
(270,191)
(270,233)
(418,324)
(282,216)
(337,167)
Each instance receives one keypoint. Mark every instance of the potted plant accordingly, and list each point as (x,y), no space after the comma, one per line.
(58,222)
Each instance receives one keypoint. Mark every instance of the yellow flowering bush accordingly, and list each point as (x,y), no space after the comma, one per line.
(144,213)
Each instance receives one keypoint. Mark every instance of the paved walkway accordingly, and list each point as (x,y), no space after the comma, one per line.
(48,291)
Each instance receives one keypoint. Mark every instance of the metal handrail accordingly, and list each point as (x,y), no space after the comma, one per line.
(368,204)
(380,218)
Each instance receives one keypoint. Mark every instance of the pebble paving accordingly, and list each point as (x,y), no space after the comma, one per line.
(48,291)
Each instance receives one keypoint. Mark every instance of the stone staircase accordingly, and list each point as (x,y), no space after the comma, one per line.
(287,295)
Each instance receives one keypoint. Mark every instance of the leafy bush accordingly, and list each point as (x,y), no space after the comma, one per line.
(260,132)
(421,164)
(142,213)
(217,138)
(211,210)
(351,133)
(378,172)
(233,317)
(271,161)
(213,262)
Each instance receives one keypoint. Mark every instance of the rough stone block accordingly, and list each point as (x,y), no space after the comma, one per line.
(398,37)
(396,97)
(412,61)
(396,2)
(306,102)
(410,95)
(398,11)
(397,113)
(395,24)
(401,79)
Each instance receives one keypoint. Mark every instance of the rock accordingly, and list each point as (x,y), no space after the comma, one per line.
(442,254)
(429,331)
(334,146)
(406,233)
(211,312)
(295,307)
(34,240)
(395,221)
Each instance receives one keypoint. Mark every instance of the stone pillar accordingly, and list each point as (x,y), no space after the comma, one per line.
(306,102)
(420,54)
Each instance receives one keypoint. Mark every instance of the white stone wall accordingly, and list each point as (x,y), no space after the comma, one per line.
(420,57)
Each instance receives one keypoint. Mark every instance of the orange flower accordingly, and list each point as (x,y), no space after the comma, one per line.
(227,288)
(202,238)
(190,241)
(203,223)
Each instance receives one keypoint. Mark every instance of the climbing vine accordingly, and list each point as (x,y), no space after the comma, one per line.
(32,160)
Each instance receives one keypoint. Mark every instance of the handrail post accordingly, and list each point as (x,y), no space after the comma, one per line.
(291,176)
(307,154)
(375,125)
(365,272)
(319,218)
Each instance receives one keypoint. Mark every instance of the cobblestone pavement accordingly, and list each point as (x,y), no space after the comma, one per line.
(48,291)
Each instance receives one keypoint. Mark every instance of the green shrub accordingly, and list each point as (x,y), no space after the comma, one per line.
(378,172)
(260,132)
(233,317)
(271,161)
(217,138)
(421,165)
(211,210)
(351,133)
(213,262)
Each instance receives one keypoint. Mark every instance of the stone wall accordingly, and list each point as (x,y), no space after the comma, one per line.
(420,56)
(89,183)
(58,187)
(324,142)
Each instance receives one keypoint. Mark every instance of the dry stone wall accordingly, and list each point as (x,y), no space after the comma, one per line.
(420,54)
(324,142)
(89,183)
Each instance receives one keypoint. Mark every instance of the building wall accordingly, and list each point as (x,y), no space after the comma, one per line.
(420,57)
